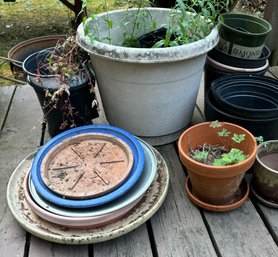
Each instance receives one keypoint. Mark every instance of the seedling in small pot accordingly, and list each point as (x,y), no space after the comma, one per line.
(220,155)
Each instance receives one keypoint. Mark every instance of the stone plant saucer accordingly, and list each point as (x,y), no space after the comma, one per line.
(241,197)
(143,211)
(261,199)
(87,165)
(81,222)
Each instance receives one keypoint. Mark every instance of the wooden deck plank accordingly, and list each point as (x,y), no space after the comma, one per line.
(6,94)
(135,243)
(42,248)
(241,233)
(17,140)
(178,226)
(270,216)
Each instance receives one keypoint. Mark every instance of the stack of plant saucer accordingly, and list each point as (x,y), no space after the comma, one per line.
(89,176)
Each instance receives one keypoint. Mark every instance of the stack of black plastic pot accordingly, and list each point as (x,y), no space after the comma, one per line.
(241,48)
(247,100)
(236,89)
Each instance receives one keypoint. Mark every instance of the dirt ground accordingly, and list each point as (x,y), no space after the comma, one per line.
(23,19)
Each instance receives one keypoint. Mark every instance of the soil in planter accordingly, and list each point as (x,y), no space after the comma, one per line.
(213,152)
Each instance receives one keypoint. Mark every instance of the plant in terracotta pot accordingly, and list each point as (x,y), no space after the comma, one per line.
(151,92)
(217,155)
(65,88)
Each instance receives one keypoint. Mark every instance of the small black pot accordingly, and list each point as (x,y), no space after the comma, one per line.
(247,96)
(149,39)
(81,97)
(268,127)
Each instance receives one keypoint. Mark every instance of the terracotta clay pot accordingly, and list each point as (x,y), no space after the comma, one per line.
(215,184)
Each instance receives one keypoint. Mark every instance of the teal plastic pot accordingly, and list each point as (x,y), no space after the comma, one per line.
(243,35)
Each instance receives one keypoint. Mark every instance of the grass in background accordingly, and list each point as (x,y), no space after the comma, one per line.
(25,19)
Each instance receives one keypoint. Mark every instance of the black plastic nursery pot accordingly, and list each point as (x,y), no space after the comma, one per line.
(172,3)
(243,35)
(213,71)
(149,39)
(267,127)
(69,110)
(238,62)
(248,96)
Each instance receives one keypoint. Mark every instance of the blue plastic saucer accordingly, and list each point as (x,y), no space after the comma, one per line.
(133,177)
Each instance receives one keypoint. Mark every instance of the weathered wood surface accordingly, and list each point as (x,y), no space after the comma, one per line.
(42,248)
(241,233)
(17,140)
(270,217)
(179,228)
(135,243)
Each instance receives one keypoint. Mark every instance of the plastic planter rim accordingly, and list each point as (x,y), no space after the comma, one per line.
(266,24)
(268,142)
(224,83)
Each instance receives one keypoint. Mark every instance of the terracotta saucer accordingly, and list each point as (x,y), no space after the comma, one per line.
(242,195)
(87,165)
(261,199)
(127,184)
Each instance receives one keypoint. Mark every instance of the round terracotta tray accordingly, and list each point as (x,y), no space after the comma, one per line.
(242,195)
(144,210)
(87,165)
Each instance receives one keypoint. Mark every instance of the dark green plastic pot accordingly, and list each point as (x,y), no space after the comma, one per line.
(243,35)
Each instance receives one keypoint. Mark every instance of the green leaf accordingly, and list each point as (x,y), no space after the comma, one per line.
(223,133)
(215,124)
(200,155)
(238,138)
(109,22)
(218,162)
(234,156)
(259,139)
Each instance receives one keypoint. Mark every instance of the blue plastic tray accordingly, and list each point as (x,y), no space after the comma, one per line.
(134,175)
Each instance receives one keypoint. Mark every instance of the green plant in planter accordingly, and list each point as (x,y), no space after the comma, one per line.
(220,155)
(164,80)
(63,84)
(65,61)
(188,22)
(190,26)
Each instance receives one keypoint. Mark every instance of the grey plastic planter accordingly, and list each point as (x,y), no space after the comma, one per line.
(243,35)
(148,92)
(266,171)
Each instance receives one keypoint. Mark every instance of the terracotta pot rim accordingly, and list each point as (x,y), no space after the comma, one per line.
(252,156)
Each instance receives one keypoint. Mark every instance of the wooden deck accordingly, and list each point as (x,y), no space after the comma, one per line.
(179,228)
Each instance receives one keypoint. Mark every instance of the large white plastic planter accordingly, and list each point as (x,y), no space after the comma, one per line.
(148,92)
